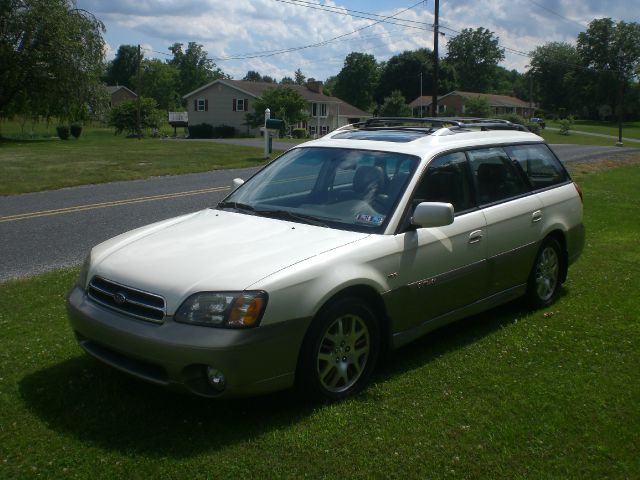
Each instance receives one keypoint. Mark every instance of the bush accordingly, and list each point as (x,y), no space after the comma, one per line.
(76,129)
(202,130)
(513,118)
(534,128)
(224,131)
(565,126)
(124,117)
(63,132)
(299,133)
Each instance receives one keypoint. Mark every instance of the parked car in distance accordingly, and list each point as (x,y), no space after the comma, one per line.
(336,252)
(538,121)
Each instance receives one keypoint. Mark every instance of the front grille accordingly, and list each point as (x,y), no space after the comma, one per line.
(127,300)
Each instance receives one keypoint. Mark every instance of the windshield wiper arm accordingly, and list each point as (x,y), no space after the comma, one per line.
(286,214)
(238,206)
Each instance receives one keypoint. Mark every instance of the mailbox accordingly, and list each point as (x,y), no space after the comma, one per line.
(274,124)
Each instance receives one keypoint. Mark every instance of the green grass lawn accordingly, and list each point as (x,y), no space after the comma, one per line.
(99,156)
(509,394)
(629,129)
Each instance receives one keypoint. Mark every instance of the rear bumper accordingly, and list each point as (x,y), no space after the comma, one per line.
(176,355)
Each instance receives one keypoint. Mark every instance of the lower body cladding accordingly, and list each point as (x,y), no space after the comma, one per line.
(206,361)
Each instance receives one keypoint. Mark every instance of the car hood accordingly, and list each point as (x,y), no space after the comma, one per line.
(211,250)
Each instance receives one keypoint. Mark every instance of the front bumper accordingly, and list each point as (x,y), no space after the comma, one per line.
(176,355)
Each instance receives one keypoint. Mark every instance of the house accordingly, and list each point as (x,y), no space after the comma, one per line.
(119,94)
(454,103)
(226,102)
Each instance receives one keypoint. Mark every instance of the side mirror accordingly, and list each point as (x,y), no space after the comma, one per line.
(432,214)
(237,182)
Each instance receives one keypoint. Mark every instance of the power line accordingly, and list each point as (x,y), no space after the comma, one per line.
(557,14)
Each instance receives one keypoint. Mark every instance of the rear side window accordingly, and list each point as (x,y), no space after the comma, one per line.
(495,177)
(540,165)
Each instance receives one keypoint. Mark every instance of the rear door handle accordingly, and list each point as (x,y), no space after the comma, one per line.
(536,216)
(475,236)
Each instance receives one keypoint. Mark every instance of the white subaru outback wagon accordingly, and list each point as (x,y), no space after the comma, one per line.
(337,251)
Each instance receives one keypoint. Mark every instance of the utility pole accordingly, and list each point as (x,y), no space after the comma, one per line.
(421,101)
(620,100)
(434,97)
(139,130)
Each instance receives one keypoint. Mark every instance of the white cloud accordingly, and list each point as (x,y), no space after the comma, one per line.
(229,28)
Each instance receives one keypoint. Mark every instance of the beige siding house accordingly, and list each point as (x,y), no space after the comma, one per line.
(226,102)
(454,102)
(119,94)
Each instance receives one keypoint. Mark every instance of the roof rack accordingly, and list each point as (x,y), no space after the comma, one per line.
(430,124)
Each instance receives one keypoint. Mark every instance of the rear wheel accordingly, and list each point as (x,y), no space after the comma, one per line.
(340,350)
(545,279)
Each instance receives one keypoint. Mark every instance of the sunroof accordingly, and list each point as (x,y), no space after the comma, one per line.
(398,136)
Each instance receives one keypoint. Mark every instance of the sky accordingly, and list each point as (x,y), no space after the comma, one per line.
(276,37)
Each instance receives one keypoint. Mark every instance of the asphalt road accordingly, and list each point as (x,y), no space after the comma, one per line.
(48,230)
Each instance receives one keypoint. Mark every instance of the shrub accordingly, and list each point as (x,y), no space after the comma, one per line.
(224,131)
(513,118)
(534,128)
(124,117)
(565,125)
(76,129)
(63,132)
(299,133)
(202,130)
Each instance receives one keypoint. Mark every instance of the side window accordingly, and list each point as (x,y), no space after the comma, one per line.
(539,164)
(495,177)
(446,180)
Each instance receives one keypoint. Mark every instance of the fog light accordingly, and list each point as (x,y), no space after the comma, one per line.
(216,379)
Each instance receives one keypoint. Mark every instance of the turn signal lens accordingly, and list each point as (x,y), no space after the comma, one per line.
(246,311)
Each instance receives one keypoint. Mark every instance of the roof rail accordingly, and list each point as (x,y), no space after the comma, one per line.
(453,123)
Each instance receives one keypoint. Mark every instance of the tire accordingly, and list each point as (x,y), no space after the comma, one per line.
(545,278)
(340,350)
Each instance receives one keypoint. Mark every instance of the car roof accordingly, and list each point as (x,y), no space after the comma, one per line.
(425,137)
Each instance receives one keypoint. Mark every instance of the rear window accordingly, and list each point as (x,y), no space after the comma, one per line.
(542,168)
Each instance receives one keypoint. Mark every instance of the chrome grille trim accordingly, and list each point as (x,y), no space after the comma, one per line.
(136,303)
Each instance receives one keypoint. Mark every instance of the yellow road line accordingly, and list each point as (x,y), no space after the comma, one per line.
(115,203)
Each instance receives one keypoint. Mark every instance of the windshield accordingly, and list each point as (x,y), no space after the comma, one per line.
(334,187)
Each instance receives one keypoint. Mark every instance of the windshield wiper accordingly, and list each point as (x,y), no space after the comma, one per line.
(287,215)
(238,206)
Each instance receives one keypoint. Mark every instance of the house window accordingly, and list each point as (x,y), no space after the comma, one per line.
(324,129)
(312,129)
(201,105)
(318,109)
(240,104)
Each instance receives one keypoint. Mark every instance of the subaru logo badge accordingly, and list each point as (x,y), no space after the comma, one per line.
(119,298)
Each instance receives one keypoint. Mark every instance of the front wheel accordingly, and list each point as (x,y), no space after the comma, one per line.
(544,282)
(340,351)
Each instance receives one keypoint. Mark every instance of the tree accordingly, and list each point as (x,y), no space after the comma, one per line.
(51,58)
(474,54)
(299,77)
(160,81)
(285,104)
(357,81)
(477,107)
(124,117)
(402,72)
(395,105)
(252,76)
(287,81)
(122,70)
(195,69)
(554,67)
(268,79)
(612,52)
(329,86)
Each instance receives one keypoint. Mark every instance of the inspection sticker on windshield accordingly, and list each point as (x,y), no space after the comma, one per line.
(375,220)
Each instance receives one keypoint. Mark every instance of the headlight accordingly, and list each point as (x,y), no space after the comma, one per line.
(223,309)
(84,272)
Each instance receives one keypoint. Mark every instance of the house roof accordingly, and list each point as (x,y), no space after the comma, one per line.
(493,99)
(256,89)
(114,88)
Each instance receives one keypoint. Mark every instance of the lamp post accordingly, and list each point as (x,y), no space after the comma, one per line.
(265,133)
(530,89)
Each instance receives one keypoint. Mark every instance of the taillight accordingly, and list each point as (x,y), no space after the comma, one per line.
(579,191)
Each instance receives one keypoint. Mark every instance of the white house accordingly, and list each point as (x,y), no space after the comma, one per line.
(226,102)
